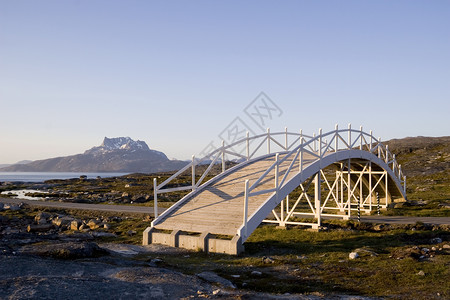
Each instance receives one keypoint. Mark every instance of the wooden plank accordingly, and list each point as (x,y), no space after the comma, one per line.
(218,208)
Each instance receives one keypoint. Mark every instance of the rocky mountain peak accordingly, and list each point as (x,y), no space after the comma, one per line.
(123,143)
(119,143)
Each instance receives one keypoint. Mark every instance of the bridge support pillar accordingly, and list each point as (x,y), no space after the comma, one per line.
(317,198)
(147,236)
(174,238)
(203,241)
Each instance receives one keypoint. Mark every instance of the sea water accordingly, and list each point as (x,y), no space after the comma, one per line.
(43,176)
(22,194)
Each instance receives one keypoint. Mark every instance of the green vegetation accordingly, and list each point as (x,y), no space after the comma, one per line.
(302,261)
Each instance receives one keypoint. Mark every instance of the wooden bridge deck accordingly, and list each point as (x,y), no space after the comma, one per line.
(218,208)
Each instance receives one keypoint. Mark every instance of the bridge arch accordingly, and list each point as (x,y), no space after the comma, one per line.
(234,202)
(313,170)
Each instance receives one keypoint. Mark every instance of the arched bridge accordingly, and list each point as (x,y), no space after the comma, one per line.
(283,178)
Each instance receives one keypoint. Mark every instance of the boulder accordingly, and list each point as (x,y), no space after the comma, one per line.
(13,207)
(353,255)
(216,279)
(402,253)
(94,223)
(103,234)
(268,260)
(75,224)
(378,227)
(64,250)
(400,205)
(84,227)
(138,199)
(39,227)
(436,240)
(42,217)
(62,221)
(365,252)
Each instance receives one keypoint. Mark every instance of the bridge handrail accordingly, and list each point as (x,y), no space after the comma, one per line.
(306,144)
(382,152)
(379,149)
(228,149)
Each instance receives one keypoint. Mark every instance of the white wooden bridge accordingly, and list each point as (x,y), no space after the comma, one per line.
(284,178)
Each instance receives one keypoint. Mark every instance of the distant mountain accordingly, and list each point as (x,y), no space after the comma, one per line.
(120,154)
(22,162)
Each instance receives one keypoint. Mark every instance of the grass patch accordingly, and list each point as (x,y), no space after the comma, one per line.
(311,262)
(303,261)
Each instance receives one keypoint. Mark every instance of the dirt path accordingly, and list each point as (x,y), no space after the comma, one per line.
(85,206)
(405,220)
(149,211)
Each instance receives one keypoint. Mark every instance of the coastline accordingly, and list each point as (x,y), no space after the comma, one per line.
(36,177)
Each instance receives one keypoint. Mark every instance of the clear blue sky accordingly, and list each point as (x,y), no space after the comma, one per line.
(176,73)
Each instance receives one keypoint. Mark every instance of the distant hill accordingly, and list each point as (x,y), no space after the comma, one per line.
(22,162)
(426,163)
(422,155)
(120,154)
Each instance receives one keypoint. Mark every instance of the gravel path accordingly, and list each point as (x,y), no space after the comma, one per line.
(84,206)
(149,211)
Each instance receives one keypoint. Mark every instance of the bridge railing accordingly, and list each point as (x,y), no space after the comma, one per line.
(332,141)
(248,149)
(361,140)
(297,144)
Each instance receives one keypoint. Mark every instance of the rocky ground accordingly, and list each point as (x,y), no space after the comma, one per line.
(51,255)
(64,254)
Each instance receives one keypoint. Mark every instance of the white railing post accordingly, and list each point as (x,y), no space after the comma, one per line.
(223,156)
(360,137)
(317,197)
(370,186)
(245,207)
(268,140)
(371,140)
(320,143)
(349,136)
(314,142)
(336,139)
(285,139)
(404,184)
(248,146)
(393,163)
(300,159)
(193,172)
(287,204)
(276,173)
(379,148)
(155,198)
(387,154)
